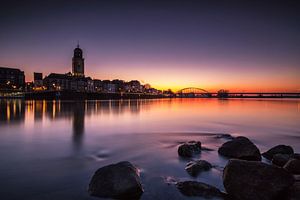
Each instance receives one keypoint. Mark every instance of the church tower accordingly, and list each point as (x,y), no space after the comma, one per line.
(78,63)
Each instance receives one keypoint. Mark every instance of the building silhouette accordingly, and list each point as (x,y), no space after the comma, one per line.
(78,63)
(75,81)
(11,78)
(71,81)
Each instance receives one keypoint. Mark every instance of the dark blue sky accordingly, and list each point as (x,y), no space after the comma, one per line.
(250,45)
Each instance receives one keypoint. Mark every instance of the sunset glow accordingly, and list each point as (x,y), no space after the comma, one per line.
(182,44)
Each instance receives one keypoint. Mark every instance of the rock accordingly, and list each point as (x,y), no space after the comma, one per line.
(296,156)
(240,148)
(195,167)
(254,180)
(224,136)
(293,166)
(194,188)
(118,181)
(188,149)
(294,192)
(283,149)
(280,159)
(296,177)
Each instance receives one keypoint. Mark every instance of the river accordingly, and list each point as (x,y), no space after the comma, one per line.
(50,149)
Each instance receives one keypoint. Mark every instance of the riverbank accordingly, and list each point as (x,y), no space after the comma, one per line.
(73,95)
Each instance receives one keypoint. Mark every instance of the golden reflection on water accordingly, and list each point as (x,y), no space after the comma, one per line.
(18,110)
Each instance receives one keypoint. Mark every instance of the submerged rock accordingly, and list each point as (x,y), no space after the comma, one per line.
(194,188)
(118,181)
(293,166)
(224,136)
(280,159)
(240,148)
(206,149)
(282,149)
(254,180)
(188,149)
(195,167)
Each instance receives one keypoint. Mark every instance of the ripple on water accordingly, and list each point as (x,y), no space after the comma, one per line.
(100,155)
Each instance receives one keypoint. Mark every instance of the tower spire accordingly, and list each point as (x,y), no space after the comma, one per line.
(77,43)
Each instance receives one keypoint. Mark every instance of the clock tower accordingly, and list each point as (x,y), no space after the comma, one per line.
(78,63)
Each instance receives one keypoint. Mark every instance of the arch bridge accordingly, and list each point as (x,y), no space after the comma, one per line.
(193,92)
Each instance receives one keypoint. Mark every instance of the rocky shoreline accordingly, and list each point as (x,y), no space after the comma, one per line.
(245,176)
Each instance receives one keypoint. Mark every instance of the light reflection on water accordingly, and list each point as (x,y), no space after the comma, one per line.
(50,149)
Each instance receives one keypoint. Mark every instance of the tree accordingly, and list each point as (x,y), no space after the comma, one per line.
(223,93)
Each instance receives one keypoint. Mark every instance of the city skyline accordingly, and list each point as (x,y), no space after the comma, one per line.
(239,47)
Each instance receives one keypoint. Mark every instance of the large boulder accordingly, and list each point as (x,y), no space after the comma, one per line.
(194,188)
(254,180)
(119,181)
(282,149)
(240,148)
(188,149)
(294,192)
(197,166)
(293,166)
(280,159)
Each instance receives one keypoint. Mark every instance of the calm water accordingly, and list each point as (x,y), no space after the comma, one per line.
(49,150)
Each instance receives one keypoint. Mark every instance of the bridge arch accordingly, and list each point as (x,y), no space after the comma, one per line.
(193,92)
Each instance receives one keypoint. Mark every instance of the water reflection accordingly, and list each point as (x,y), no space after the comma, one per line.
(17,111)
(78,123)
(12,111)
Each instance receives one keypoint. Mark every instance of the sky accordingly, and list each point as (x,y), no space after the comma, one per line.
(235,45)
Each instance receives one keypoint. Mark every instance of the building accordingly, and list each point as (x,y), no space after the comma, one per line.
(11,78)
(134,86)
(57,81)
(75,81)
(78,63)
(98,85)
(108,87)
(38,80)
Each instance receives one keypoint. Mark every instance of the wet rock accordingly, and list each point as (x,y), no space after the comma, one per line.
(282,149)
(240,148)
(194,188)
(296,177)
(195,167)
(294,192)
(188,149)
(293,166)
(170,180)
(296,156)
(118,181)
(280,159)
(224,136)
(254,180)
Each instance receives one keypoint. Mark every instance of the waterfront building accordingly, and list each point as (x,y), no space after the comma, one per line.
(66,81)
(56,81)
(134,86)
(38,80)
(11,78)
(108,86)
(98,85)
(120,85)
